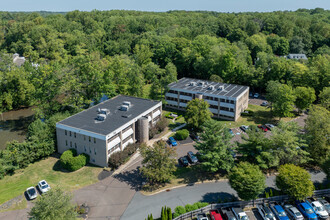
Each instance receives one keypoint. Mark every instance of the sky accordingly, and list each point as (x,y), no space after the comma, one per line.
(162,5)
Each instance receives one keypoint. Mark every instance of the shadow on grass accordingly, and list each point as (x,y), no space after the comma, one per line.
(191,175)
(216,197)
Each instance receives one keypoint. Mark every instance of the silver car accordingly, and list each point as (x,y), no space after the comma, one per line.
(293,212)
(43,186)
(31,192)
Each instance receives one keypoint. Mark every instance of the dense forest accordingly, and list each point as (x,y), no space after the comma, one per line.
(83,55)
(75,58)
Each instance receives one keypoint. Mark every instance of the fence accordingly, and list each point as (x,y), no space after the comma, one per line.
(242,204)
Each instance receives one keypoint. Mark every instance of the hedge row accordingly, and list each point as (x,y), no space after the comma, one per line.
(70,161)
(118,158)
(181,134)
(179,210)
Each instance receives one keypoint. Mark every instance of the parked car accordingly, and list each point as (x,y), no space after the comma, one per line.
(306,210)
(43,186)
(265,212)
(172,141)
(263,127)
(317,208)
(256,95)
(227,214)
(231,132)
(191,157)
(270,126)
(202,216)
(293,212)
(31,192)
(183,161)
(239,213)
(194,136)
(265,103)
(325,204)
(251,94)
(244,128)
(215,215)
(278,211)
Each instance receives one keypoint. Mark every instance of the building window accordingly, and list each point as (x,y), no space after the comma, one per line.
(66,132)
(70,143)
(89,139)
(222,100)
(90,151)
(75,135)
(112,138)
(66,142)
(214,106)
(94,140)
(84,137)
(95,151)
(70,134)
(85,148)
(75,145)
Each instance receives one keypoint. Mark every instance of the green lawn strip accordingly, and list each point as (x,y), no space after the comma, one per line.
(48,169)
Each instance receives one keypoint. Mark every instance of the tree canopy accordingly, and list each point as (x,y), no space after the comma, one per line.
(197,113)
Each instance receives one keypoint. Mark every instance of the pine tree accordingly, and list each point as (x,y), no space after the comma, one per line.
(169,213)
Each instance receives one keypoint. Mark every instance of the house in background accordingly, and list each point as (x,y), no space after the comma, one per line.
(226,101)
(108,127)
(297,56)
(17,60)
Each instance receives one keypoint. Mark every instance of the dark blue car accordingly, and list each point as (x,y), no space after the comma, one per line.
(306,210)
(172,141)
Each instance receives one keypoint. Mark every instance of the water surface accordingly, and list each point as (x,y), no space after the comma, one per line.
(14,124)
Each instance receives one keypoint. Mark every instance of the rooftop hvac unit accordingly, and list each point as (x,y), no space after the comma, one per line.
(221,88)
(124,108)
(210,88)
(192,83)
(103,111)
(101,117)
(127,103)
(201,83)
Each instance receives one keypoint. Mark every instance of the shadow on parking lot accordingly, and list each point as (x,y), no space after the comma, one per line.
(218,197)
(132,178)
(256,214)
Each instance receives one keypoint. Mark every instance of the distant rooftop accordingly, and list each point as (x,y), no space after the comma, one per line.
(297,56)
(86,120)
(208,87)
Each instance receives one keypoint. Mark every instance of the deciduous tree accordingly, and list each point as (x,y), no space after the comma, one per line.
(294,181)
(247,180)
(197,113)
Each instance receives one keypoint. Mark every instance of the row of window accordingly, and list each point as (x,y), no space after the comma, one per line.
(173,91)
(75,136)
(171,99)
(113,149)
(75,146)
(204,97)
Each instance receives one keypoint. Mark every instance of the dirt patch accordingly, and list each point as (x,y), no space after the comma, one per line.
(13,202)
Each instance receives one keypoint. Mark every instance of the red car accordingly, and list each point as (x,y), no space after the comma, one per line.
(215,215)
(263,127)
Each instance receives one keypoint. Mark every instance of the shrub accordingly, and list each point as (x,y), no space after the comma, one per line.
(161,124)
(179,210)
(190,207)
(118,158)
(152,132)
(177,118)
(200,204)
(71,162)
(181,134)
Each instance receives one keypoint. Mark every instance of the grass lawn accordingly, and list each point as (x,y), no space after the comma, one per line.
(50,170)
(185,176)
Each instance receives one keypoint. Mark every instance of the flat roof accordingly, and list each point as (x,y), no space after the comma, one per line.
(86,120)
(229,90)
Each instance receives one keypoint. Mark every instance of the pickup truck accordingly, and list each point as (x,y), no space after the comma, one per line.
(265,212)
(306,210)
(227,214)
(278,211)
(318,208)
(239,213)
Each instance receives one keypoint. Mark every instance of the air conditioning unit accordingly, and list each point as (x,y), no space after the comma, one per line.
(210,88)
(101,117)
(124,108)
(104,111)
(221,88)
(192,83)
(127,103)
(201,83)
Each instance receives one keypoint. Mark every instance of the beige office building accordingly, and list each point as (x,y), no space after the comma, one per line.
(108,127)
(227,101)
